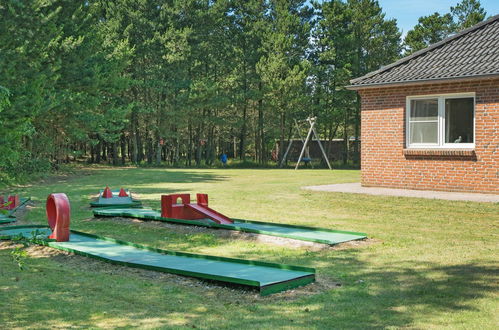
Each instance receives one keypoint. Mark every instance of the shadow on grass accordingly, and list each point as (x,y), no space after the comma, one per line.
(378,298)
(130,178)
(401,297)
(397,296)
(139,181)
(136,176)
(82,188)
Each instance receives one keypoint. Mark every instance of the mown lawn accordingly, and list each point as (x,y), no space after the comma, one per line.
(428,263)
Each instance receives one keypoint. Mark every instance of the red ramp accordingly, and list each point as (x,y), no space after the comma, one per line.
(209,213)
(179,206)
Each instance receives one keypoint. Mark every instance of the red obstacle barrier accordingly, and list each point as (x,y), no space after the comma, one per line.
(12,200)
(171,208)
(107,193)
(58,215)
(122,193)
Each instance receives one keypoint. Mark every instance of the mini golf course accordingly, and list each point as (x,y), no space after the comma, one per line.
(115,198)
(10,210)
(268,278)
(318,235)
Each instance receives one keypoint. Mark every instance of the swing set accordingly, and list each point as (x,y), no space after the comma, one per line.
(305,151)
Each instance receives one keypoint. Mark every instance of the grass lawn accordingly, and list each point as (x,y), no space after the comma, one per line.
(427,264)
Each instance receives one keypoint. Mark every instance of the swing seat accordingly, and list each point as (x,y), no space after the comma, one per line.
(306,160)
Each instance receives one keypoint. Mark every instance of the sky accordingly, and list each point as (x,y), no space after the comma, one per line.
(407,12)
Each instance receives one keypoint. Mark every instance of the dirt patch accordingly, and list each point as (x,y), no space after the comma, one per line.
(20,215)
(233,234)
(356,244)
(22,212)
(4,245)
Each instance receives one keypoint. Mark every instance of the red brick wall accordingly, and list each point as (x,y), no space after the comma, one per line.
(385,163)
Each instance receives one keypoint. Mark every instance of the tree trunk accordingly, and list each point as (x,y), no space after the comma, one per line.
(134,137)
(210,153)
(235,146)
(242,136)
(92,154)
(282,135)
(261,137)
(98,152)
(140,147)
(149,150)
(115,153)
(158,153)
(123,149)
(199,147)
(189,147)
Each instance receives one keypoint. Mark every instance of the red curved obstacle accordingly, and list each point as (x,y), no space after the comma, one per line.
(58,215)
(170,208)
(122,193)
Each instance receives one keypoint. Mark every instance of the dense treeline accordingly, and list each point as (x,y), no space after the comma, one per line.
(178,82)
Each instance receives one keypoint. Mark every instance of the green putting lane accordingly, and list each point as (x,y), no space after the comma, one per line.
(268,278)
(9,216)
(303,233)
(319,235)
(116,201)
(6,219)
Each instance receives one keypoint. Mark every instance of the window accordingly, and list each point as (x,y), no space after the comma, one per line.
(441,121)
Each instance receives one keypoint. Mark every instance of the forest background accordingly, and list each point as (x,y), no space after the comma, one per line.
(177,82)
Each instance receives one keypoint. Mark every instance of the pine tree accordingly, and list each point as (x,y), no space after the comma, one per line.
(430,29)
(375,42)
(331,67)
(283,67)
(467,13)
(433,28)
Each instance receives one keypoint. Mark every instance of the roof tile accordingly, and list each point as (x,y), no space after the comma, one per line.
(469,53)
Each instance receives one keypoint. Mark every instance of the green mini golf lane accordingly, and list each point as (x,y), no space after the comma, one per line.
(116,201)
(6,219)
(319,235)
(9,216)
(267,277)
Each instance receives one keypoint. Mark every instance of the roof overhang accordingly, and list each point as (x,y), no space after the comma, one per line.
(424,82)
(356,83)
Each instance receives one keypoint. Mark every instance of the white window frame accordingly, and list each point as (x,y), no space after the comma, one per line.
(441,122)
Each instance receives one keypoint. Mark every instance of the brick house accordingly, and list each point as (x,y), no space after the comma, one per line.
(431,120)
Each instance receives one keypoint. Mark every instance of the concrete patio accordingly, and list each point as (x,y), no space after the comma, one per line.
(356,188)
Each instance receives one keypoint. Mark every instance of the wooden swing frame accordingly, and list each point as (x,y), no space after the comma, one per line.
(312,121)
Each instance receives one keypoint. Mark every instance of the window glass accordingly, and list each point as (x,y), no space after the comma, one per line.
(459,120)
(424,132)
(422,110)
(441,121)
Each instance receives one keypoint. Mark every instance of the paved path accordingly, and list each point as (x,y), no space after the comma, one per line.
(356,188)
